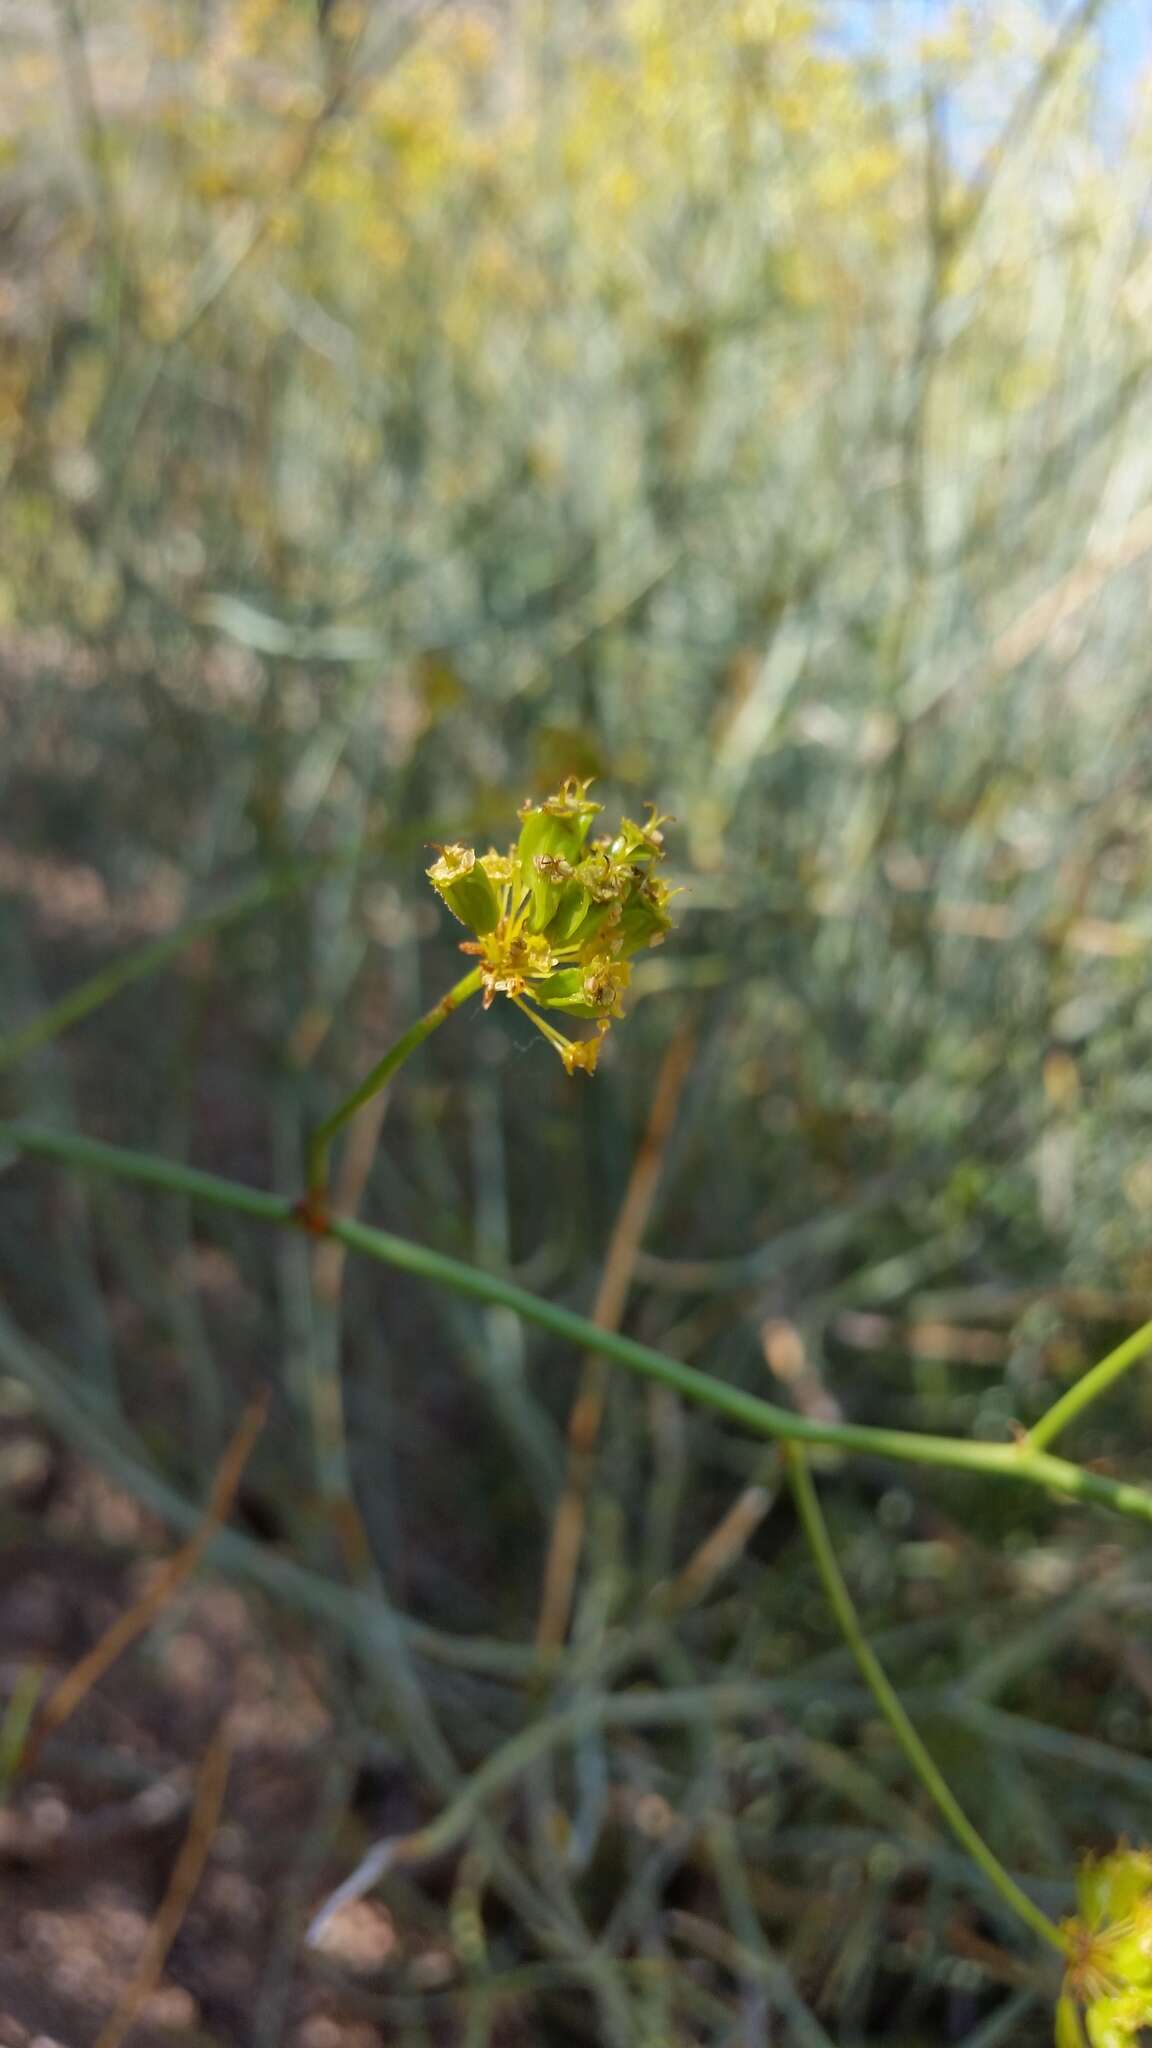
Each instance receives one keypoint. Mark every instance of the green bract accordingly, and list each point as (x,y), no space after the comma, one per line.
(558,917)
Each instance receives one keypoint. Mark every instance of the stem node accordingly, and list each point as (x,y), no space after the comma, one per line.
(311,1213)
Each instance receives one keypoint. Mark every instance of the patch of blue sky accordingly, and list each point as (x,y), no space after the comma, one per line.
(1122,36)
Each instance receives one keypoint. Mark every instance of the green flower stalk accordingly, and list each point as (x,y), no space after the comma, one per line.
(557,919)
(887,1699)
(1106,1998)
(555,922)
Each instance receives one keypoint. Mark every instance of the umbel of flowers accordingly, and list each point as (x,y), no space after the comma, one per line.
(1107,1994)
(557,919)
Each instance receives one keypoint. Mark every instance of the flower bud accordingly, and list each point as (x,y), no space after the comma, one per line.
(564,990)
(467,888)
(644,918)
(499,867)
(591,990)
(552,836)
(640,842)
(579,918)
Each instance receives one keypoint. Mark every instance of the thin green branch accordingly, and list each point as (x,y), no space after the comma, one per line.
(1090,1387)
(382,1072)
(100,988)
(890,1705)
(149,1170)
(504,1767)
(1016,1462)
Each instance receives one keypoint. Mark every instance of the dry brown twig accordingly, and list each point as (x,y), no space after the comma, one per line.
(586,1414)
(160,1590)
(723,1547)
(186,1874)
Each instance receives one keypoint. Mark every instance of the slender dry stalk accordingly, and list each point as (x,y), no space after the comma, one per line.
(586,1414)
(721,1548)
(186,1874)
(160,1590)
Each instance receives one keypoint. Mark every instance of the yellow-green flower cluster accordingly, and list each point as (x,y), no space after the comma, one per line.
(1107,1993)
(557,919)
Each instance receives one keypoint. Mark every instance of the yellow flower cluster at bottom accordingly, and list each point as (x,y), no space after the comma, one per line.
(1106,1997)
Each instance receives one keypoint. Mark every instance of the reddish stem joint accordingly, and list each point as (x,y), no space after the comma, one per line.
(311,1213)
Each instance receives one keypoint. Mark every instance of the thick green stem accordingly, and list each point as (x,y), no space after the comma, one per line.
(1017,1462)
(381,1073)
(1090,1387)
(888,1701)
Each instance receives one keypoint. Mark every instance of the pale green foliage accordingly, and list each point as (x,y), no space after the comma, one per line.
(678,393)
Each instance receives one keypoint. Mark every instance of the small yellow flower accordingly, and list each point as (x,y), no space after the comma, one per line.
(557,918)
